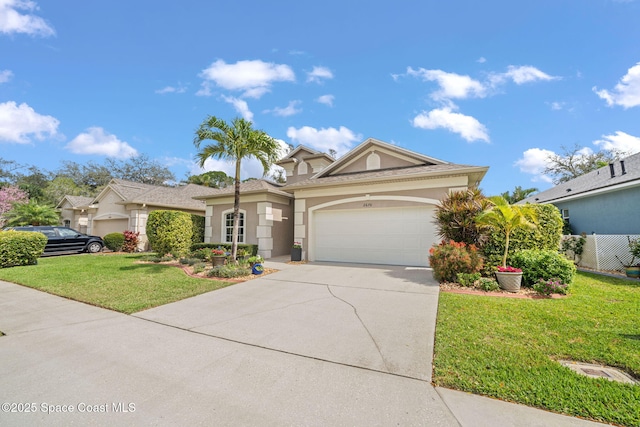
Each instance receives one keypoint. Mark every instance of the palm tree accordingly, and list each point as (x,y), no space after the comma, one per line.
(235,142)
(504,218)
(518,194)
(32,214)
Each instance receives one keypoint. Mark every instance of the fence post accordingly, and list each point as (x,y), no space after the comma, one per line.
(595,248)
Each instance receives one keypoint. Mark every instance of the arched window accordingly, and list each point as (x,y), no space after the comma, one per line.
(227,226)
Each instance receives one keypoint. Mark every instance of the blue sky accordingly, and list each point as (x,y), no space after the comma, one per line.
(493,83)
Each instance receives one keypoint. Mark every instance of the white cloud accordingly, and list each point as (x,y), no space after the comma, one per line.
(12,21)
(253,78)
(318,74)
(525,74)
(481,60)
(5,76)
(626,93)
(326,100)
(452,85)
(171,89)
(240,106)
(287,111)
(466,126)
(534,161)
(97,141)
(19,122)
(341,139)
(619,141)
(557,105)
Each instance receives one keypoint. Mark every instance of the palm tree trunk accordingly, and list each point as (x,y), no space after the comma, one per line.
(236,213)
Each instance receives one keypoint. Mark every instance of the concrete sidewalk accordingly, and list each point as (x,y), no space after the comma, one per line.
(223,358)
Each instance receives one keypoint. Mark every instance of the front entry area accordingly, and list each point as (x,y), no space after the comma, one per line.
(394,236)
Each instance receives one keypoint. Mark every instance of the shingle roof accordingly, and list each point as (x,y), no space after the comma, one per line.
(599,179)
(79,201)
(253,186)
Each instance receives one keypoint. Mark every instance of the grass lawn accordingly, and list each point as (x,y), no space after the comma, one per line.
(114,281)
(505,348)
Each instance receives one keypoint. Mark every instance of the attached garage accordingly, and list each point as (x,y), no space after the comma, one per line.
(396,236)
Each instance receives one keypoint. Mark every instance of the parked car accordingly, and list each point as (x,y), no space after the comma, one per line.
(64,240)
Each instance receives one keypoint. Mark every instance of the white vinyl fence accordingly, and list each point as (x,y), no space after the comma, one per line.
(606,251)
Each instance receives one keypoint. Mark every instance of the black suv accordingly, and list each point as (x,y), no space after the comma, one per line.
(64,240)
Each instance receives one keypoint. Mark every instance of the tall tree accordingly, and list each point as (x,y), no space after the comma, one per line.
(141,169)
(518,194)
(89,176)
(577,161)
(234,142)
(213,179)
(32,213)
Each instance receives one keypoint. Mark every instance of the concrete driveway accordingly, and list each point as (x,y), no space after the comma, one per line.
(312,345)
(373,317)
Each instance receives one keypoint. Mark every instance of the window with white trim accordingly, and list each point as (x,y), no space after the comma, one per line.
(565,214)
(227,226)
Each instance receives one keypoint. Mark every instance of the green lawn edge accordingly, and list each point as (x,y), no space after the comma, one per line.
(507,348)
(118,282)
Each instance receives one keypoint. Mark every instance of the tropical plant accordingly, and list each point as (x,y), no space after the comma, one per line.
(518,194)
(131,239)
(235,142)
(32,213)
(543,264)
(456,216)
(448,259)
(504,218)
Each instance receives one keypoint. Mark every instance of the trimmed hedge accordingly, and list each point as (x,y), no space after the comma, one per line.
(546,236)
(543,264)
(252,249)
(114,241)
(169,232)
(21,247)
(197,223)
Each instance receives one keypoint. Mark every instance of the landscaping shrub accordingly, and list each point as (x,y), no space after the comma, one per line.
(169,232)
(197,223)
(450,258)
(252,249)
(543,264)
(455,216)
(131,239)
(20,247)
(114,241)
(551,286)
(229,271)
(545,236)
(468,280)
(487,284)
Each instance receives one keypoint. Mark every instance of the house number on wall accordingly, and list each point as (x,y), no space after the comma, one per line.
(367,205)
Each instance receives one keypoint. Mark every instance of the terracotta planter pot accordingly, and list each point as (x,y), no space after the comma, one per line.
(510,282)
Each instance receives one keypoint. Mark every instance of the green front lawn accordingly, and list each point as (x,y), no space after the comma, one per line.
(115,281)
(506,348)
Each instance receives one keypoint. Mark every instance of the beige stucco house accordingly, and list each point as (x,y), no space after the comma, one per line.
(373,205)
(125,205)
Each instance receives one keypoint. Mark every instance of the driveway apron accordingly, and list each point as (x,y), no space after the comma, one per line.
(380,318)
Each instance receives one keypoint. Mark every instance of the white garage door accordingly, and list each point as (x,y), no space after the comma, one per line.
(397,236)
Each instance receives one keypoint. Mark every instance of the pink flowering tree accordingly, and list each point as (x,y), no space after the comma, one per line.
(9,196)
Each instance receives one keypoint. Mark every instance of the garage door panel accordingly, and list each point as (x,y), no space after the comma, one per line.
(400,236)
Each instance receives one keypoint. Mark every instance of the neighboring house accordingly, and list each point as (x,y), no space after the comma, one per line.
(125,205)
(604,201)
(373,205)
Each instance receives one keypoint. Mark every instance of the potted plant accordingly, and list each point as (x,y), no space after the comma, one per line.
(296,251)
(242,254)
(218,256)
(257,269)
(501,217)
(257,259)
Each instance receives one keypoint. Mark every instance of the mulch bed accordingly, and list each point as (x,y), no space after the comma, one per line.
(526,293)
(204,274)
